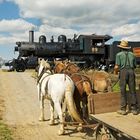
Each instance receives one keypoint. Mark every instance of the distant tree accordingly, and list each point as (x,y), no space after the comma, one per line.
(1,61)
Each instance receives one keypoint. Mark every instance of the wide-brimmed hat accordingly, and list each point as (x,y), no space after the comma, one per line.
(124,45)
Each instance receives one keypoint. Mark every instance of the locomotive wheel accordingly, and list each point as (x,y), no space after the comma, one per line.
(20,68)
(104,133)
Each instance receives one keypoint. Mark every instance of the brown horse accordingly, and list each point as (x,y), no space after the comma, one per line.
(101,81)
(65,66)
(82,83)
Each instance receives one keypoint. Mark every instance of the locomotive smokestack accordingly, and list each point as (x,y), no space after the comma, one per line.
(31,36)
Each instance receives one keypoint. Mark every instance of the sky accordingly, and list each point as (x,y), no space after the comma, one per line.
(119,19)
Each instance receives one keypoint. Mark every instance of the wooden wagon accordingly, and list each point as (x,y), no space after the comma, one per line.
(110,125)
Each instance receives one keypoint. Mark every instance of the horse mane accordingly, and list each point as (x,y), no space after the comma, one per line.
(44,63)
(58,68)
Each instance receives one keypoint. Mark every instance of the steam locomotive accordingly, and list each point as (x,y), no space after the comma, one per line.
(85,50)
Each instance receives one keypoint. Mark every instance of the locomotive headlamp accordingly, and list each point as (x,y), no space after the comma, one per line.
(18,43)
(16,49)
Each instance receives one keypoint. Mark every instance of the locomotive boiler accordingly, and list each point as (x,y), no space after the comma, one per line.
(85,50)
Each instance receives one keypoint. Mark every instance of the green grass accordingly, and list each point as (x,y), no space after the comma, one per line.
(5,133)
(116,87)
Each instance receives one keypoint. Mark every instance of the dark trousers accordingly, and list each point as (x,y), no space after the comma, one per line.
(127,76)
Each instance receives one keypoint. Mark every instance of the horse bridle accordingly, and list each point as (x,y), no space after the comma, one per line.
(56,67)
(41,74)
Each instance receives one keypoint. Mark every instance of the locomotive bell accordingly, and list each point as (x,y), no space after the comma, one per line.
(42,39)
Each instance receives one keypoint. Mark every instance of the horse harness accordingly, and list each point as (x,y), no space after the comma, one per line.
(71,75)
(41,74)
(80,81)
(39,80)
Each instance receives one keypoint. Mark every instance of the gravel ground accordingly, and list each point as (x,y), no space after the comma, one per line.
(20,109)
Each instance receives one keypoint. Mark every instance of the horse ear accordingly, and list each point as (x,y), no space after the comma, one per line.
(46,60)
(43,60)
(39,60)
(54,61)
(63,61)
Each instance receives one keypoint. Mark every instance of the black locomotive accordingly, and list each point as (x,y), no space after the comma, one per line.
(86,50)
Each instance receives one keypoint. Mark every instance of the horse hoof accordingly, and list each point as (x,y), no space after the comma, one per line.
(79,128)
(51,122)
(41,119)
(61,132)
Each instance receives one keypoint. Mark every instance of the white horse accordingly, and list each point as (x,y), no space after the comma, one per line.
(56,88)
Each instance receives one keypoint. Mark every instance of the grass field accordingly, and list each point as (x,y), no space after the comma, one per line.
(5,133)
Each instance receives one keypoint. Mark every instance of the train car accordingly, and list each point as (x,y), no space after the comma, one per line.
(113,50)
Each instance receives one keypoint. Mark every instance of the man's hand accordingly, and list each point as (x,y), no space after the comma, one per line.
(116,69)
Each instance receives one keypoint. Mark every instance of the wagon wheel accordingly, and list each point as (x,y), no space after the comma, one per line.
(104,133)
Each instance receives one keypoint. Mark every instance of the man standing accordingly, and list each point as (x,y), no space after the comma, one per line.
(126,63)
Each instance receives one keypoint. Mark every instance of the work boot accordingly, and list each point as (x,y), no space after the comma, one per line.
(134,112)
(122,112)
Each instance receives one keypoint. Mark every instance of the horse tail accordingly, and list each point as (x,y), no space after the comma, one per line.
(87,87)
(71,105)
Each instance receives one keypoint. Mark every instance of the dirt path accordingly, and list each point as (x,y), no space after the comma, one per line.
(18,90)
